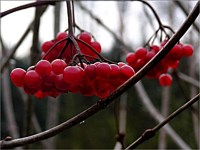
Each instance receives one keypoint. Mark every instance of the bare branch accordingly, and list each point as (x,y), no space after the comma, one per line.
(4,63)
(188,79)
(34,4)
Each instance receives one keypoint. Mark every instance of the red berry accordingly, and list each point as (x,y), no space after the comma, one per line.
(32,79)
(131,58)
(176,52)
(187,50)
(155,48)
(58,65)
(17,77)
(115,72)
(86,37)
(40,94)
(96,45)
(90,71)
(43,67)
(141,52)
(47,45)
(103,70)
(60,84)
(126,72)
(73,74)
(165,79)
(61,35)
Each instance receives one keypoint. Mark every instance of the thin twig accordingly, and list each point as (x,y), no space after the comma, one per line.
(34,4)
(188,79)
(103,103)
(13,51)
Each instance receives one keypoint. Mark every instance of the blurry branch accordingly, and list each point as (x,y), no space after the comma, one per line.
(193,91)
(120,137)
(103,103)
(34,4)
(33,55)
(8,102)
(182,7)
(164,111)
(188,79)
(53,103)
(8,106)
(34,119)
(99,21)
(149,133)
(13,50)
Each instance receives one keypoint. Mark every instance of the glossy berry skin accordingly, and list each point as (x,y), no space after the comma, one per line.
(131,58)
(126,72)
(141,52)
(86,37)
(58,66)
(187,50)
(165,79)
(61,36)
(96,45)
(103,70)
(47,45)
(43,67)
(73,74)
(33,79)
(17,77)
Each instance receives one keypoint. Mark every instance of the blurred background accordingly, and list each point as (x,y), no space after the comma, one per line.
(130,114)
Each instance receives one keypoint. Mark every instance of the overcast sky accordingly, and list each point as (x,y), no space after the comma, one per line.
(13,25)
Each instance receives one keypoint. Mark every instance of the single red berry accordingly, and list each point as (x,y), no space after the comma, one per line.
(86,37)
(40,94)
(126,72)
(60,83)
(176,52)
(61,35)
(155,48)
(43,67)
(96,45)
(90,71)
(131,58)
(103,70)
(141,52)
(17,76)
(33,79)
(47,45)
(73,74)
(165,79)
(115,72)
(187,50)
(58,65)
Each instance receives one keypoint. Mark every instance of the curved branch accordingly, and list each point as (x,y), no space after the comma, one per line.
(34,4)
(101,104)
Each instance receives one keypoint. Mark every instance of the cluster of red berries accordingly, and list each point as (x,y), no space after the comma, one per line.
(52,79)
(62,47)
(142,55)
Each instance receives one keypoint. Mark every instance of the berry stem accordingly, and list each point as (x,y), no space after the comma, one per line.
(70,18)
(100,56)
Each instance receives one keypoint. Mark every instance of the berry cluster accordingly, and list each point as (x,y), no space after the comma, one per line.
(52,79)
(62,47)
(142,55)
